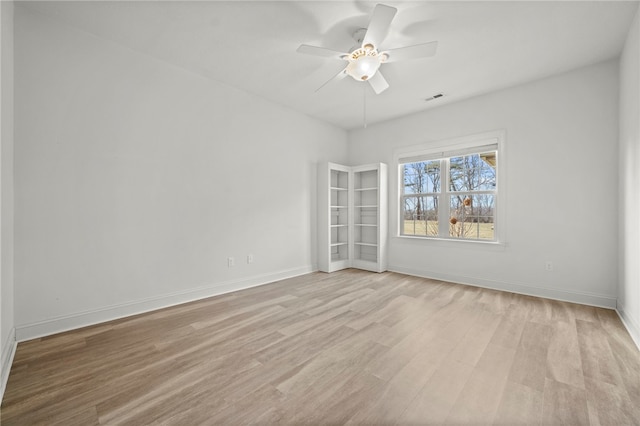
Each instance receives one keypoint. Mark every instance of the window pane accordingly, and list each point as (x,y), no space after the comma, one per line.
(472,216)
(420,216)
(421,177)
(475,172)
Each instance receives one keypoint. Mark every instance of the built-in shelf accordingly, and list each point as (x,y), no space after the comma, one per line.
(352,219)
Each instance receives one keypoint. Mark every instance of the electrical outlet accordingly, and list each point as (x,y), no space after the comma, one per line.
(231,262)
(249,258)
(548,265)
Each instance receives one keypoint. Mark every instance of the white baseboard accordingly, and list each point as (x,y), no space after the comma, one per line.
(632,327)
(8,352)
(520,288)
(109,313)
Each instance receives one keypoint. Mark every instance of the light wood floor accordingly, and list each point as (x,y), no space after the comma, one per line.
(349,347)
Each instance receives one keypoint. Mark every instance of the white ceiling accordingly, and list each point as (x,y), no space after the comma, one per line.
(483,46)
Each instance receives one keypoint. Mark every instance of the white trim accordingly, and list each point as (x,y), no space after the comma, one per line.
(632,327)
(448,145)
(109,313)
(452,145)
(452,242)
(6,361)
(430,154)
(583,298)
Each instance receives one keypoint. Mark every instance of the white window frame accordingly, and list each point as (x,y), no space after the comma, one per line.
(447,149)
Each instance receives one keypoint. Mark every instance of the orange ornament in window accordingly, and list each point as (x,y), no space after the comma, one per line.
(453,221)
(467,202)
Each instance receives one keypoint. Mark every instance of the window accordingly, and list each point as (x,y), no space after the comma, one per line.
(450,194)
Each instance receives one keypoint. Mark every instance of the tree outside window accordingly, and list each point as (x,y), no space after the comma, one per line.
(451,196)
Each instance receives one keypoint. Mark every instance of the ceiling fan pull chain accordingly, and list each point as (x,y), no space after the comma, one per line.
(364,105)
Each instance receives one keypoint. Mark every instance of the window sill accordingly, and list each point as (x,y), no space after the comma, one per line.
(453,243)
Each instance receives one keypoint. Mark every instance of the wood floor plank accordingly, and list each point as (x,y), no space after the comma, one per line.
(387,405)
(520,405)
(435,400)
(401,354)
(509,330)
(348,347)
(425,314)
(472,345)
(478,401)
(530,363)
(564,361)
(598,361)
(609,404)
(481,396)
(564,404)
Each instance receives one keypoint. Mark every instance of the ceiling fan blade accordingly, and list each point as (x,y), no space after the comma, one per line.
(342,74)
(417,51)
(378,83)
(379,25)
(321,51)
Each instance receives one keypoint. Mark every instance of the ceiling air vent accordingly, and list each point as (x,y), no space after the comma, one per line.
(439,95)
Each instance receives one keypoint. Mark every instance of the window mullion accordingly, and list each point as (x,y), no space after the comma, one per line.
(444,204)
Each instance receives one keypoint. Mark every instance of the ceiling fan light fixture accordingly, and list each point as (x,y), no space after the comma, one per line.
(363,67)
(364,59)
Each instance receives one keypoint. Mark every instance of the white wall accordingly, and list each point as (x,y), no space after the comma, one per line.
(7,332)
(135,180)
(561,198)
(629,285)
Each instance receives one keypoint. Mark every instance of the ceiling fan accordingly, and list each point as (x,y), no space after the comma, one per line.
(364,61)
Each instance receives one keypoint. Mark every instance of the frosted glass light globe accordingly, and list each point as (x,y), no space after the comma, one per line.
(363,68)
